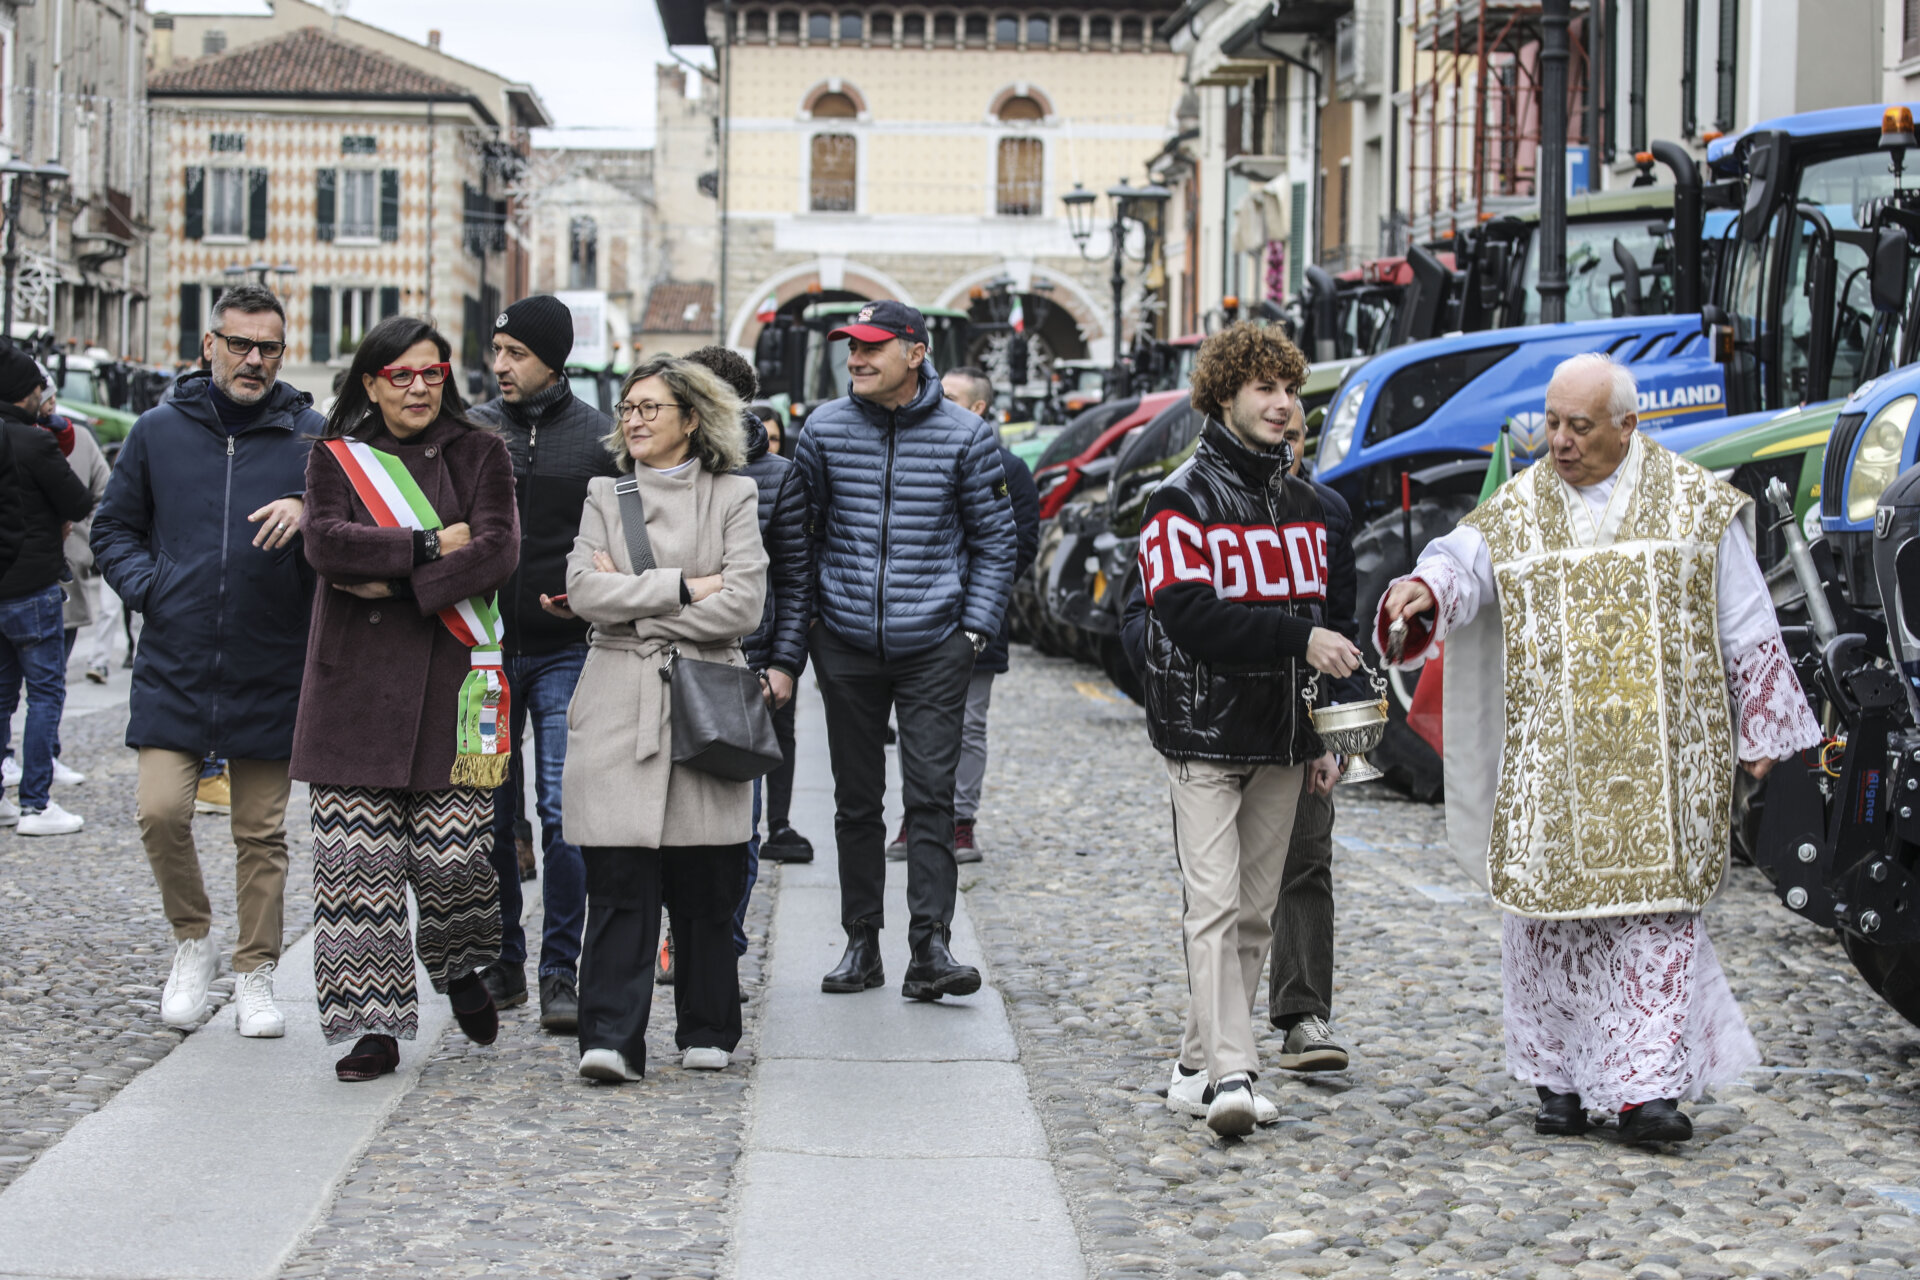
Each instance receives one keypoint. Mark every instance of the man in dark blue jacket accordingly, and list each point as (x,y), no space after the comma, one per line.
(198,533)
(913,561)
(972,390)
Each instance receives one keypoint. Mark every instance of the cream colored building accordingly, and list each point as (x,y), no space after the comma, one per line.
(874,151)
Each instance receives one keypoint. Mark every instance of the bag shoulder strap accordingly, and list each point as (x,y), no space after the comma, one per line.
(633,518)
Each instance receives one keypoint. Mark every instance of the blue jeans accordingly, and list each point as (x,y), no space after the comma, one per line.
(542,685)
(33,650)
(753,874)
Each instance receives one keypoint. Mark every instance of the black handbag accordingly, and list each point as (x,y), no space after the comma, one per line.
(721,724)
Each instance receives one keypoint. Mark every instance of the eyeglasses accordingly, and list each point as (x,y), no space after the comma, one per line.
(401,376)
(243,347)
(647,409)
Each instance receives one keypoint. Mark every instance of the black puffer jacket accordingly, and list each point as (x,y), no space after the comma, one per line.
(781,639)
(1024,497)
(46,493)
(1233,566)
(558,442)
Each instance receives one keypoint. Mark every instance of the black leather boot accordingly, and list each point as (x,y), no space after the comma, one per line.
(1560,1113)
(1659,1120)
(935,973)
(860,968)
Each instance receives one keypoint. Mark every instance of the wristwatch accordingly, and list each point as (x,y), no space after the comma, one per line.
(979,641)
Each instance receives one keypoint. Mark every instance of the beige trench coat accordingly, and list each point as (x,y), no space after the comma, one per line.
(620,785)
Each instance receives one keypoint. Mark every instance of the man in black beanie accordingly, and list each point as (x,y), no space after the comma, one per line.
(558,443)
(33,648)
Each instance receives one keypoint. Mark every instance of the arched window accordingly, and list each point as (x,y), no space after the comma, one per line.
(943,30)
(819,28)
(1020,162)
(1129,33)
(1038,32)
(1006,31)
(1100,32)
(882,26)
(757,26)
(851,28)
(913,28)
(976,28)
(832,183)
(1070,32)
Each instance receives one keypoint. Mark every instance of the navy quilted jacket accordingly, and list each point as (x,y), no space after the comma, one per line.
(781,639)
(912,531)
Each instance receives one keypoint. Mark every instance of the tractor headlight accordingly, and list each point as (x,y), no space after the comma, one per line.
(1337,437)
(1877,459)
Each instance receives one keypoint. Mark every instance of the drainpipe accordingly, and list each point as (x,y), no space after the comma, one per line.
(1552,172)
(726,123)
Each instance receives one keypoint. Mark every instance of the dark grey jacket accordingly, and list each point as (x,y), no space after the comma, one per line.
(781,639)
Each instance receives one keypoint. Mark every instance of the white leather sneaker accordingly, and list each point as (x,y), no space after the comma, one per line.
(1187,1094)
(9,812)
(50,821)
(65,777)
(254,1011)
(10,771)
(705,1059)
(1232,1112)
(184,998)
(607,1064)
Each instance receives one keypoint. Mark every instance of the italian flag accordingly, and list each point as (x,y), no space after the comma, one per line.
(1018,319)
(768,310)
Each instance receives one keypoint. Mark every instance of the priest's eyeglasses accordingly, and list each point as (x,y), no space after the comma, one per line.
(243,347)
(647,409)
(432,376)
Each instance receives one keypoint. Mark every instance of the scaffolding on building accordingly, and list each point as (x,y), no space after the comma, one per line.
(1473,108)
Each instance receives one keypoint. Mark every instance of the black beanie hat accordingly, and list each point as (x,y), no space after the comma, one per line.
(544,324)
(19,375)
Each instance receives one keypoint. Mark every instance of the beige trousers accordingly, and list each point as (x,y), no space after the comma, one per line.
(1231,827)
(164,801)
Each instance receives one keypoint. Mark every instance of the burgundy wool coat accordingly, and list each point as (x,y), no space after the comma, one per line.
(378,703)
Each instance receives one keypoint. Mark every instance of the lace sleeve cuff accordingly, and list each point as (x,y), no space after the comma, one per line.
(1775,720)
(1425,632)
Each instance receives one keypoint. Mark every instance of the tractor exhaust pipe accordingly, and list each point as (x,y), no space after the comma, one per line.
(1819,613)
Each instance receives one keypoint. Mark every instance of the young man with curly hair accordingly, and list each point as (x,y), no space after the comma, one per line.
(1231,624)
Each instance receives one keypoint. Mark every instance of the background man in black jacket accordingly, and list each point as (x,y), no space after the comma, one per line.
(49,497)
(778,647)
(558,443)
(1234,566)
(972,390)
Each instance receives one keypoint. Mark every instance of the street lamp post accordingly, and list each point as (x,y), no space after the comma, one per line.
(1144,205)
(18,170)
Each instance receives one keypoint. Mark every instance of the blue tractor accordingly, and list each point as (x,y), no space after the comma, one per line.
(1779,265)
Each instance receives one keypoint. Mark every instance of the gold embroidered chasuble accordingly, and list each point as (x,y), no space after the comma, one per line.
(1618,753)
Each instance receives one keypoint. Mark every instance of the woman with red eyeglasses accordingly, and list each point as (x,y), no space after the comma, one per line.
(411,524)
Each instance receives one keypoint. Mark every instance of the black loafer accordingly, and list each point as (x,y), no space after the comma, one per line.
(1660,1120)
(860,968)
(1560,1114)
(473,1008)
(559,1003)
(935,973)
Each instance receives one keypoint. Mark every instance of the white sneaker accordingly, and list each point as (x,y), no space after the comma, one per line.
(184,998)
(705,1059)
(1187,1094)
(9,812)
(1264,1112)
(1232,1112)
(50,821)
(10,772)
(607,1064)
(255,1013)
(65,777)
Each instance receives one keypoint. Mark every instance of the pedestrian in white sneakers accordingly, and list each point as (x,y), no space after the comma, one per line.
(48,497)
(198,533)
(1230,624)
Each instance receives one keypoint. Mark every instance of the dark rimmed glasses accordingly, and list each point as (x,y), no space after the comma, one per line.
(432,375)
(243,347)
(647,409)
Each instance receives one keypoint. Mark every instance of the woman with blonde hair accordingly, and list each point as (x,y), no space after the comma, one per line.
(653,832)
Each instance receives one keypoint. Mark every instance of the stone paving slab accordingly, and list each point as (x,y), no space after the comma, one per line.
(214,1163)
(878,1109)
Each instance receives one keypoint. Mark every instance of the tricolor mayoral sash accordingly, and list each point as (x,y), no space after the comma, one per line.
(1616,748)
(395,501)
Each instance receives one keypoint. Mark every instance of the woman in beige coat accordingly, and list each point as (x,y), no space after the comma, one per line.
(653,832)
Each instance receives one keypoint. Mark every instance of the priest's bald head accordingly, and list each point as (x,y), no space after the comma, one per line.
(1591,416)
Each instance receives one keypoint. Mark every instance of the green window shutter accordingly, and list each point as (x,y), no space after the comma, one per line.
(196,202)
(390,205)
(190,331)
(322,325)
(389,302)
(323,205)
(256,204)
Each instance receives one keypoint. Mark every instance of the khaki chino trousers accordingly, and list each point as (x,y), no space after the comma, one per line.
(169,781)
(1231,827)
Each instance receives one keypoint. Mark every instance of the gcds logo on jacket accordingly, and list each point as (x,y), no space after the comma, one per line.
(1257,563)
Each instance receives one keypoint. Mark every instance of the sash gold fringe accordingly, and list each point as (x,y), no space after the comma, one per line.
(480,771)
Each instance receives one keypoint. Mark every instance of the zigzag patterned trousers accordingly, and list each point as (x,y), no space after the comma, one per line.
(369,844)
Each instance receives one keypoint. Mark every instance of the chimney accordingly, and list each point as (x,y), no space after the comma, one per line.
(433,39)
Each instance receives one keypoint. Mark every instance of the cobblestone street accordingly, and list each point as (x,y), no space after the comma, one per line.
(1418,1161)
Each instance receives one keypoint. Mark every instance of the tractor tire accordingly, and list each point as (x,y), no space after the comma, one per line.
(1380,555)
(1893,973)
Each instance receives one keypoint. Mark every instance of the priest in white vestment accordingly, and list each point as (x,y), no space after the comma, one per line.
(1611,651)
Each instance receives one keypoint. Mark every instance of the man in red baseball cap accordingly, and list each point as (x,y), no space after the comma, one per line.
(883,322)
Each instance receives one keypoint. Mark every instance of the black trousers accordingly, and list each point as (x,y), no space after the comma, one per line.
(780,779)
(928,695)
(1302,975)
(626,887)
